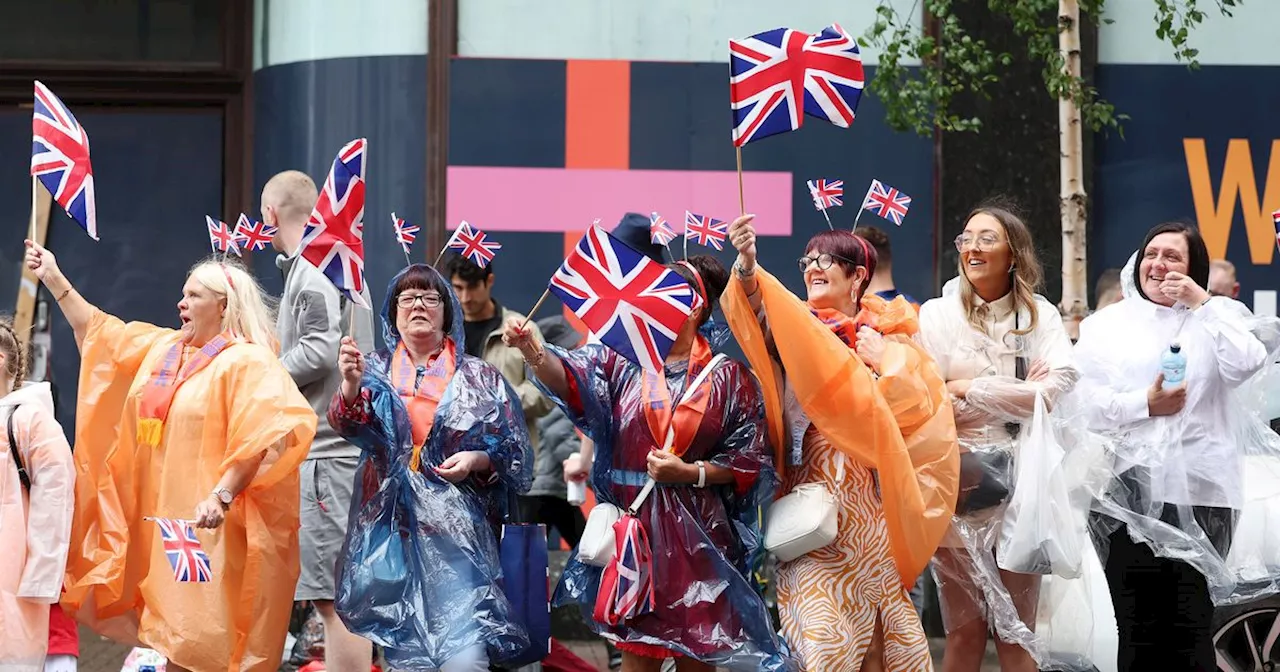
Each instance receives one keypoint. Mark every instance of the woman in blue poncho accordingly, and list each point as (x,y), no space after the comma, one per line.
(445,449)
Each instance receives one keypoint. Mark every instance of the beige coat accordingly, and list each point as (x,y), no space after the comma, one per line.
(510,363)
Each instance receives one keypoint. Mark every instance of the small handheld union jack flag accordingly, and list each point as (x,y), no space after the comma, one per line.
(660,231)
(187,558)
(60,158)
(253,236)
(473,244)
(221,237)
(704,231)
(886,202)
(405,233)
(826,193)
(778,76)
(333,239)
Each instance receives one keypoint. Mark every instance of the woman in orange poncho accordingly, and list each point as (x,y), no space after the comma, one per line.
(845,606)
(200,424)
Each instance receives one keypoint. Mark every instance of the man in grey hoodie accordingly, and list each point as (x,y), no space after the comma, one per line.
(313,318)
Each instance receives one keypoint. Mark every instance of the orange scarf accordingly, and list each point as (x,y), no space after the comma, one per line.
(421,389)
(169,375)
(687,416)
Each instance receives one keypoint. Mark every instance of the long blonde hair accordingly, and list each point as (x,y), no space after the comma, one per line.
(250,314)
(1026,271)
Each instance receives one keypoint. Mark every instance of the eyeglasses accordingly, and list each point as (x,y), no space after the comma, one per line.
(408,300)
(983,243)
(824,261)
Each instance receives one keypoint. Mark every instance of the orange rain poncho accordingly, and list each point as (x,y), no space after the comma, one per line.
(119,581)
(900,424)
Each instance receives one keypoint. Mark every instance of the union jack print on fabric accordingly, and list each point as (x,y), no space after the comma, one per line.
(629,302)
(660,231)
(60,158)
(473,244)
(186,556)
(253,236)
(626,586)
(886,202)
(705,230)
(826,193)
(221,237)
(778,76)
(333,240)
(405,232)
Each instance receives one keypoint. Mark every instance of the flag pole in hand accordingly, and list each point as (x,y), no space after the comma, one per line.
(545,293)
(742,203)
(35,198)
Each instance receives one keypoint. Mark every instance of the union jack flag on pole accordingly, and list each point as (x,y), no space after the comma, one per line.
(705,231)
(473,244)
(629,302)
(187,558)
(253,236)
(778,76)
(886,202)
(60,158)
(333,239)
(660,231)
(221,237)
(826,193)
(405,233)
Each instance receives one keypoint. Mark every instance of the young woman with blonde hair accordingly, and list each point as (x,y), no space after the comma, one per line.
(200,424)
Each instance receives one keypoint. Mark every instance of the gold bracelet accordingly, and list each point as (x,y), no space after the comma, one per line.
(537,359)
(62,296)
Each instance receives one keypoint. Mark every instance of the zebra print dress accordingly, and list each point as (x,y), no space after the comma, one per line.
(829,599)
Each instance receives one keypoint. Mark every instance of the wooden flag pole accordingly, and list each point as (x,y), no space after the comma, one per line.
(35,200)
(545,293)
(25,306)
(742,203)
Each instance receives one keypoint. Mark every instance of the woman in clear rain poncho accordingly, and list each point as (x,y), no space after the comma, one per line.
(1175,482)
(856,406)
(445,451)
(701,520)
(999,346)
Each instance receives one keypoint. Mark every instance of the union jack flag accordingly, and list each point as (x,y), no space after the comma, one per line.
(221,237)
(253,236)
(1275,216)
(886,202)
(473,244)
(626,586)
(705,230)
(186,556)
(660,231)
(826,193)
(778,76)
(629,302)
(60,158)
(333,239)
(405,232)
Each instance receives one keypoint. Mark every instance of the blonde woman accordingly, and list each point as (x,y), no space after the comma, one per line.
(200,424)
(998,345)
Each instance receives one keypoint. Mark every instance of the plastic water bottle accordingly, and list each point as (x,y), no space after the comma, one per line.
(1174,366)
(577,490)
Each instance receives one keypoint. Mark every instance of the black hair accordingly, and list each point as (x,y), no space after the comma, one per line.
(879,240)
(714,279)
(420,276)
(1197,253)
(462,268)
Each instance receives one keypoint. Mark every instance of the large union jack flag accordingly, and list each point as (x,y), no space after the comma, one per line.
(60,158)
(221,237)
(189,561)
(405,232)
(253,235)
(826,193)
(778,76)
(705,231)
(629,302)
(660,231)
(333,240)
(886,202)
(473,244)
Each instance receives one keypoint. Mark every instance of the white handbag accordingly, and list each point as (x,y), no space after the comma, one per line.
(598,542)
(803,520)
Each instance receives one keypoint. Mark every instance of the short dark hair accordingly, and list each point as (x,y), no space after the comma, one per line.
(879,240)
(847,248)
(1197,253)
(462,268)
(421,276)
(714,279)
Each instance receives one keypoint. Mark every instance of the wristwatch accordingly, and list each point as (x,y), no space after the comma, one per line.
(741,272)
(224,497)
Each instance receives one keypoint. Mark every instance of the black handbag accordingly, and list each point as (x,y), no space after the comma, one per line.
(984,479)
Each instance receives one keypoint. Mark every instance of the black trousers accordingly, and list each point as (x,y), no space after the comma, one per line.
(556,513)
(1163,609)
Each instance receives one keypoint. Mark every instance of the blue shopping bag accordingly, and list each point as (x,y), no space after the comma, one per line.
(526,582)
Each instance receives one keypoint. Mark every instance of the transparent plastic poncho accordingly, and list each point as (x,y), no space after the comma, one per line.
(419,572)
(706,543)
(1203,485)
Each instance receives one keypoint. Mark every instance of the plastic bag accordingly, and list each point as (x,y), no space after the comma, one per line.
(1076,621)
(1042,533)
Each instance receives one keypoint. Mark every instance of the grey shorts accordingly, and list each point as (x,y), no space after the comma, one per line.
(326,500)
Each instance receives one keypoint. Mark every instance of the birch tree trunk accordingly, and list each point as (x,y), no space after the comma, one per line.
(1074,304)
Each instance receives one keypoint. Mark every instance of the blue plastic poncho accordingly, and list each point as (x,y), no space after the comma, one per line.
(419,572)
(705,542)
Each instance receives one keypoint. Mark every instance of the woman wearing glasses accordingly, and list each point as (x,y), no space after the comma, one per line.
(856,407)
(445,451)
(998,345)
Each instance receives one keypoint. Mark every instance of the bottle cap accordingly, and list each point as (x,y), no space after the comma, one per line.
(1174,346)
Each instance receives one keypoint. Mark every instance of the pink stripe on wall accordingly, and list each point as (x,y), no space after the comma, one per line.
(547,200)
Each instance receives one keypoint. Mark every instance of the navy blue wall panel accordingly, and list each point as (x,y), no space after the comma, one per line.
(506,113)
(1142,178)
